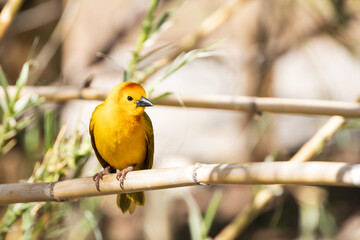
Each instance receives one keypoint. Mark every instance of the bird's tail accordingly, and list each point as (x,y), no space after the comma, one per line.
(128,201)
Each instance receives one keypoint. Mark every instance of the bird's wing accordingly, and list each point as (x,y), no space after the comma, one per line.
(148,163)
(92,135)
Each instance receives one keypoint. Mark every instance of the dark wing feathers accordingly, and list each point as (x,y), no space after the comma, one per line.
(148,163)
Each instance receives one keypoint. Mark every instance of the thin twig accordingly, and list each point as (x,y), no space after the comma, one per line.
(311,173)
(262,198)
(225,102)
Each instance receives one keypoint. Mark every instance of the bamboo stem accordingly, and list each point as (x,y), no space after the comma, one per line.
(325,133)
(258,104)
(311,173)
(225,102)
(261,199)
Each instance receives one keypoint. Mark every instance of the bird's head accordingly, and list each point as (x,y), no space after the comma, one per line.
(129,96)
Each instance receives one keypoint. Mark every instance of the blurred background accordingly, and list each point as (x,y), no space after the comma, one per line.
(268,48)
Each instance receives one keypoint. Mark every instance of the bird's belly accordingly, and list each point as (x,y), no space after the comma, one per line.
(122,149)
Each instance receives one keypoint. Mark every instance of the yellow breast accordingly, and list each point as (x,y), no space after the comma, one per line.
(120,139)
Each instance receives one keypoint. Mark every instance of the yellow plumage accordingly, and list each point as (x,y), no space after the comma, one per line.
(122,137)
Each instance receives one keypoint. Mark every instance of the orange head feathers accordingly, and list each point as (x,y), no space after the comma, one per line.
(130,97)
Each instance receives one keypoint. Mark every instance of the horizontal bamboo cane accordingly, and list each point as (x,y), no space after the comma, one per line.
(226,102)
(309,173)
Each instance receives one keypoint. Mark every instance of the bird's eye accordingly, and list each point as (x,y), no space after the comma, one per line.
(129,98)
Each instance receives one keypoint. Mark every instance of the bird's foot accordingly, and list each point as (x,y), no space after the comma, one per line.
(121,175)
(100,175)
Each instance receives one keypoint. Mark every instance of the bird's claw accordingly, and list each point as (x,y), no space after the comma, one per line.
(96,178)
(121,175)
(100,175)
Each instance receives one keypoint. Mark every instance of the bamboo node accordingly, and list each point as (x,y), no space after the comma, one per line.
(52,195)
(194,174)
(254,109)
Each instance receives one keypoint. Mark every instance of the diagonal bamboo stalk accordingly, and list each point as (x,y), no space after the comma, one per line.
(325,133)
(7,15)
(311,173)
(261,199)
(225,102)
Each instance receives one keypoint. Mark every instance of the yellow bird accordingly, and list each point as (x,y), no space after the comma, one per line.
(123,139)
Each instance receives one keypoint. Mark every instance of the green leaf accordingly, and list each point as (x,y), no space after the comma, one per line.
(327,223)
(210,213)
(165,17)
(272,157)
(33,48)
(10,134)
(49,128)
(20,83)
(21,103)
(8,146)
(126,76)
(4,107)
(161,21)
(194,218)
(4,84)
(24,75)
(31,102)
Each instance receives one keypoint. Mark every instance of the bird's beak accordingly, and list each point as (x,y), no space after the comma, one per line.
(144,102)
